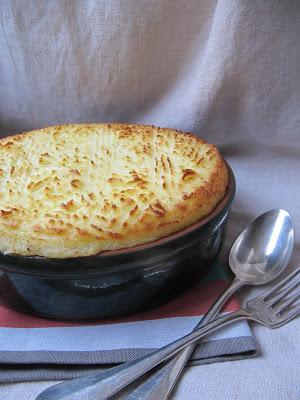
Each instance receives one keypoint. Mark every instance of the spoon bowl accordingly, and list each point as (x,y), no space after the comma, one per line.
(262,250)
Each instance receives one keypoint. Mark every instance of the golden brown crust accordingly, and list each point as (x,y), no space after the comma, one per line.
(76,190)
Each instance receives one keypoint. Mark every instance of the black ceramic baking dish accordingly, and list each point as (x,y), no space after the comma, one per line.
(115,282)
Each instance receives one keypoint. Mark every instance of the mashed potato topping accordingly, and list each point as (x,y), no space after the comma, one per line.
(76,190)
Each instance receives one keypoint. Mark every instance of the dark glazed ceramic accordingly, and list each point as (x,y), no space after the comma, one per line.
(114,282)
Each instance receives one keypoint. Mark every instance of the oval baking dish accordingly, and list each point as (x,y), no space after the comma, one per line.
(115,282)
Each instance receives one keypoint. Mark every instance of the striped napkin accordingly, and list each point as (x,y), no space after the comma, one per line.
(33,348)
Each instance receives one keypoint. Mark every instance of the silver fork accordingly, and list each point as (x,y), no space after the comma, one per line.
(274,308)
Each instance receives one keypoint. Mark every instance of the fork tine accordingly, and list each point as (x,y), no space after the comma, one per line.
(289,315)
(286,302)
(281,283)
(287,288)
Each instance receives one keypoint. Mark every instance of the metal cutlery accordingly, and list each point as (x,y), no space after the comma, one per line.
(273,309)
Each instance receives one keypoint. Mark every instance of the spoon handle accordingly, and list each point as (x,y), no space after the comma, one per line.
(218,304)
(160,384)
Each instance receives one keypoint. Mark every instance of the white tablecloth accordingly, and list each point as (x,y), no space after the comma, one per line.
(226,70)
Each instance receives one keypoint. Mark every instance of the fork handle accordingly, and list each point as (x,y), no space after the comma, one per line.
(160,383)
(104,385)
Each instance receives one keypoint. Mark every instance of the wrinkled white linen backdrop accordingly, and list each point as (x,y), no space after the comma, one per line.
(226,70)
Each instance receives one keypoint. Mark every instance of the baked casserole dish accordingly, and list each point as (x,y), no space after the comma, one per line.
(103,219)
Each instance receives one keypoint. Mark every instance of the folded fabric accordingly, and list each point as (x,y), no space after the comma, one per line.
(33,348)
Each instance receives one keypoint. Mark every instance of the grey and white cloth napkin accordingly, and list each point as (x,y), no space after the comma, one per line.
(33,348)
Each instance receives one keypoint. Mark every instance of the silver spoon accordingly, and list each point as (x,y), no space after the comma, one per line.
(259,254)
